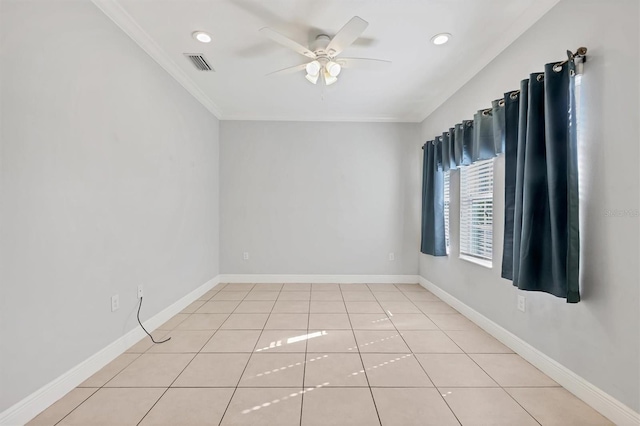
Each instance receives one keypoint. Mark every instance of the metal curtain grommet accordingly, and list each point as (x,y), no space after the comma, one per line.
(558,67)
(540,77)
(501,102)
(513,96)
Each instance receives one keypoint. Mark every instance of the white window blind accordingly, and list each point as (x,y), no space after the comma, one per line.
(447,178)
(476,210)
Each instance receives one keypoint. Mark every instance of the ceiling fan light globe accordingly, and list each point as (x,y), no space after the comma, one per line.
(333,68)
(313,68)
(328,78)
(313,79)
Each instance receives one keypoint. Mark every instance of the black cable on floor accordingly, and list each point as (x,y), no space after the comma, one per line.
(145,330)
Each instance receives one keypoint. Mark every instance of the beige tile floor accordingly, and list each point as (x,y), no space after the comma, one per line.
(319,354)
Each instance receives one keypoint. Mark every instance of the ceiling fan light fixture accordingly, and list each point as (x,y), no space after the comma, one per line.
(328,78)
(324,51)
(313,68)
(440,39)
(333,68)
(201,36)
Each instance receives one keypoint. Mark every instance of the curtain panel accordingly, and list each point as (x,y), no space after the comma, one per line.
(433,237)
(535,128)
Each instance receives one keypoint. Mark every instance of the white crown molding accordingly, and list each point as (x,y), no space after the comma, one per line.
(342,279)
(338,119)
(122,19)
(606,404)
(518,27)
(29,407)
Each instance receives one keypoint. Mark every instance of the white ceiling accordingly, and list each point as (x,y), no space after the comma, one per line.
(421,77)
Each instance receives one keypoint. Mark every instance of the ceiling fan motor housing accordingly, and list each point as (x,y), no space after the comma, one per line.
(320,44)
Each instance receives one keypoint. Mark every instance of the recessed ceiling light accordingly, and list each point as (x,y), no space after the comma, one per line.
(441,38)
(201,36)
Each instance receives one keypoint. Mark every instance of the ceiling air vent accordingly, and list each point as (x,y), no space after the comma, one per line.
(199,61)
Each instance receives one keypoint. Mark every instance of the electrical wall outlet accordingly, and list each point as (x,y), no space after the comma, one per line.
(115,302)
(392,256)
(521,303)
(140,292)
(245,255)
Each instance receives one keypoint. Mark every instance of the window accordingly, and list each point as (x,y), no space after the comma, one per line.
(447,178)
(476,212)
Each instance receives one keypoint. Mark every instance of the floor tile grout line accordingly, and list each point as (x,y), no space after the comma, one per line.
(138,355)
(413,353)
(439,328)
(499,385)
(226,319)
(366,376)
(189,363)
(333,329)
(306,349)
(474,361)
(334,386)
(167,388)
(521,406)
(422,366)
(188,316)
(74,408)
(248,360)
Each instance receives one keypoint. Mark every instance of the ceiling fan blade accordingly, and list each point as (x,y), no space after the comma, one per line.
(289,70)
(347,35)
(364,63)
(287,42)
(365,42)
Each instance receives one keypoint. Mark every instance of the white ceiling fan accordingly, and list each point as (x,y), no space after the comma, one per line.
(324,51)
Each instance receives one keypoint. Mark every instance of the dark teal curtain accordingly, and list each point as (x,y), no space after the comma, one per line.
(465,143)
(497,113)
(535,129)
(510,113)
(433,238)
(464,136)
(545,234)
(517,185)
(484,147)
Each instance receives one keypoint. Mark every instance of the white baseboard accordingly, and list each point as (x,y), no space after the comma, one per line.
(29,407)
(342,279)
(607,405)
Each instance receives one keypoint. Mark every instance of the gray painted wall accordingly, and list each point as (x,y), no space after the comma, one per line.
(597,338)
(109,179)
(319,198)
